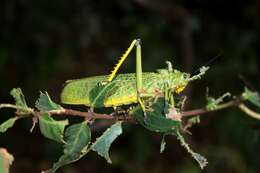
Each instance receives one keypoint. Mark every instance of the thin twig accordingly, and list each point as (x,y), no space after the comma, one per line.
(6,105)
(87,114)
(200,111)
(92,115)
(248,111)
(20,110)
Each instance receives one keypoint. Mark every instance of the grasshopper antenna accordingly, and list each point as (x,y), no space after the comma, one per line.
(211,62)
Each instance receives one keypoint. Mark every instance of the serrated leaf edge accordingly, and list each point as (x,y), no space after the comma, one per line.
(102,136)
(66,122)
(43,94)
(65,152)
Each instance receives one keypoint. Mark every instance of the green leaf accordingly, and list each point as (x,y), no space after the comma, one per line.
(51,128)
(6,160)
(77,138)
(103,143)
(251,96)
(8,124)
(19,99)
(45,104)
(155,120)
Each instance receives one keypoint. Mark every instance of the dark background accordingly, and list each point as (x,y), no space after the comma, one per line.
(43,43)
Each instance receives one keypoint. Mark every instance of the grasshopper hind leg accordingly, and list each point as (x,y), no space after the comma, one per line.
(135,43)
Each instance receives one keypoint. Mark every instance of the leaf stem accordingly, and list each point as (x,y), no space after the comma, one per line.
(6,105)
(19,108)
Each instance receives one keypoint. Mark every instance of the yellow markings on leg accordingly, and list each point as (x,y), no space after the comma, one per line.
(121,60)
(179,89)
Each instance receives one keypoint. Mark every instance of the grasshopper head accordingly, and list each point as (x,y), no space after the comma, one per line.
(179,81)
(174,80)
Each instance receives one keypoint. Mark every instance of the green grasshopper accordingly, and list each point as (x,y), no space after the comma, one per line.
(140,87)
(125,89)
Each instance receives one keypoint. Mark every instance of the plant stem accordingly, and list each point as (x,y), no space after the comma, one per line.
(248,111)
(87,114)
(92,115)
(200,111)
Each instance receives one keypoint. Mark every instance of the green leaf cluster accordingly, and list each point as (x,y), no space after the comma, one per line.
(160,116)
(76,139)
(77,143)
(157,121)
(20,105)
